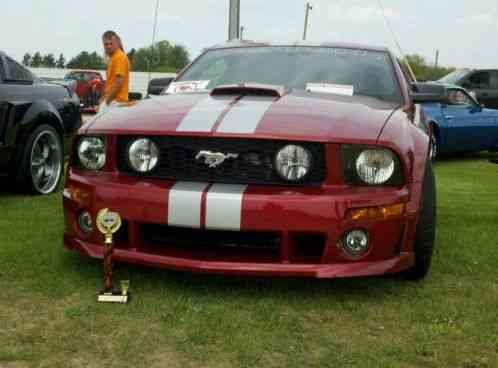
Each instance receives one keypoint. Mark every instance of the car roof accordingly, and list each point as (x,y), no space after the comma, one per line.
(248,43)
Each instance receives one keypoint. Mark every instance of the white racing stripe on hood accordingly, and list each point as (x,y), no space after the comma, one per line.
(245,115)
(184,204)
(204,115)
(224,206)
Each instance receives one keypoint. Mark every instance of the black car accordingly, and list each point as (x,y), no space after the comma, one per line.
(484,82)
(158,85)
(34,118)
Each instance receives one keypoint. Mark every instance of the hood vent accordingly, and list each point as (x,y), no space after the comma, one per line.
(254,89)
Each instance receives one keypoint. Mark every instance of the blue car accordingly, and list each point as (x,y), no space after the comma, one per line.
(461,124)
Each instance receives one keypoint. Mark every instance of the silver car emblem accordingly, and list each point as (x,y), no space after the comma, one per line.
(215,159)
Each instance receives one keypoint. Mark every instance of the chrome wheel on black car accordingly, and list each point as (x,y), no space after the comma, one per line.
(41,169)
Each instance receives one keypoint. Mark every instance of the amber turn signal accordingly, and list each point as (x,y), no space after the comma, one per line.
(376,213)
(78,195)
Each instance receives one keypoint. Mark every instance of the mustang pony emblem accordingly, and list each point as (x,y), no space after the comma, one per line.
(214,159)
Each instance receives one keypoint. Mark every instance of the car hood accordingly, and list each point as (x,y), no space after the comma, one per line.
(300,116)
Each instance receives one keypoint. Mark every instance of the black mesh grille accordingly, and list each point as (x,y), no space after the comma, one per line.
(160,234)
(212,245)
(254,164)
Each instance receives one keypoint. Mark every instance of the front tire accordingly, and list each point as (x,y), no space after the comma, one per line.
(42,162)
(426,228)
(434,147)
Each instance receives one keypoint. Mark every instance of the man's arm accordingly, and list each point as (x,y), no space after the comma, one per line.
(118,83)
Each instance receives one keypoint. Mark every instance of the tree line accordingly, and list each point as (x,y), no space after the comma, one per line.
(425,72)
(39,60)
(162,57)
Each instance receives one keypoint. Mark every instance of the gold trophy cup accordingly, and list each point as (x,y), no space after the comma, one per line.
(108,224)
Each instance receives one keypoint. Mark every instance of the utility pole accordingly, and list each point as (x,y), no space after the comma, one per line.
(437,59)
(234,20)
(306,17)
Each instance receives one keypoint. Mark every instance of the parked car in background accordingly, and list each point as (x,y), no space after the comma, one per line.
(321,169)
(34,118)
(90,86)
(481,82)
(461,124)
(158,85)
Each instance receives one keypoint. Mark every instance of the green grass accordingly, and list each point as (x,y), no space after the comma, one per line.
(49,316)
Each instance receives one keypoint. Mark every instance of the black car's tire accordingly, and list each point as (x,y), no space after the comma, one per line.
(426,228)
(42,162)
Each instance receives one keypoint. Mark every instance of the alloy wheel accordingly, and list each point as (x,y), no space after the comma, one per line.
(46,162)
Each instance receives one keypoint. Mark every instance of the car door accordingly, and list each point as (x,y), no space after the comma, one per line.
(16,92)
(471,128)
(4,116)
(492,95)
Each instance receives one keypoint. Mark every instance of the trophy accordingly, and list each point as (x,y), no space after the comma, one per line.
(109,223)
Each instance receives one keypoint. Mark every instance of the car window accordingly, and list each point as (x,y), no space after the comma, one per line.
(18,73)
(480,80)
(454,77)
(457,97)
(494,79)
(364,72)
(69,77)
(2,71)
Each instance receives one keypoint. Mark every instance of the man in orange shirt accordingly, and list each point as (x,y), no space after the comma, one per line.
(118,72)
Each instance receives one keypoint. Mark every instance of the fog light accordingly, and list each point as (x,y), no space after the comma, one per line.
(85,222)
(355,243)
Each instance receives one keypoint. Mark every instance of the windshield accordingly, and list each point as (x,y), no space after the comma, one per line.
(316,69)
(69,77)
(454,77)
(77,76)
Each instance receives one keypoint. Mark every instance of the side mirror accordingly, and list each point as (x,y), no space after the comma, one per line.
(134,96)
(428,92)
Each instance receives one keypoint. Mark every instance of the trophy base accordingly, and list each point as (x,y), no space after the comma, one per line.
(114,297)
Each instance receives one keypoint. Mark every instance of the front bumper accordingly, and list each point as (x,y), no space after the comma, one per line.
(303,225)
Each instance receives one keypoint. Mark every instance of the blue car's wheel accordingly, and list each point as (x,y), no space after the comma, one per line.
(434,147)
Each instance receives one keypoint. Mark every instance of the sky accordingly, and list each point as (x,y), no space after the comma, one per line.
(463,30)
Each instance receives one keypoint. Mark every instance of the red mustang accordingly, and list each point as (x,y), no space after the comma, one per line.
(261,159)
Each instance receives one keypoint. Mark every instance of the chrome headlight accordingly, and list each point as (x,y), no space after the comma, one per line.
(371,166)
(92,153)
(375,166)
(143,155)
(293,162)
